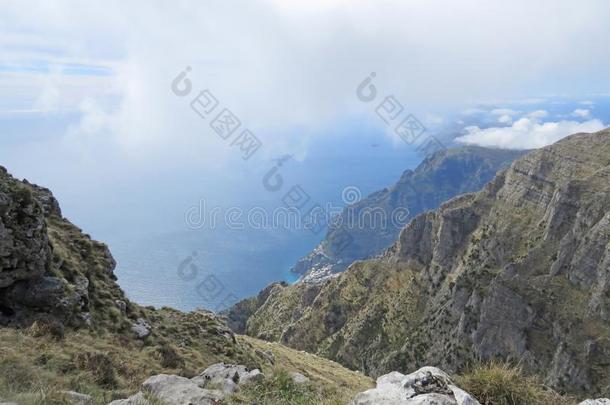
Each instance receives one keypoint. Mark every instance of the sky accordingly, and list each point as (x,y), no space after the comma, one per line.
(115,106)
(86,88)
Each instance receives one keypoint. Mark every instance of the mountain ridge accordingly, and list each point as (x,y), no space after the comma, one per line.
(517,271)
(359,233)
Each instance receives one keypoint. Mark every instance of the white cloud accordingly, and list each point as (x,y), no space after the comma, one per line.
(505,119)
(581,113)
(504,111)
(535,115)
(527,133)
(265,61)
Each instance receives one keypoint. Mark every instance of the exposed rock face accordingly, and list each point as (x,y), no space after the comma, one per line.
(24,245)
(517,271)
(426,386)
(49,269)
(362,233)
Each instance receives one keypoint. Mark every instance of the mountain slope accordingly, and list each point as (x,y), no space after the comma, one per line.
(360,232)
(517,271)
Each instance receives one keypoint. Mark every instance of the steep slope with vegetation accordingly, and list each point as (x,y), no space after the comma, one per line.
(519,271)
(363,231)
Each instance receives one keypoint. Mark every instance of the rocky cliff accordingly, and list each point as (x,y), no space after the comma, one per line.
(365,228)
(49,269)
(519,271)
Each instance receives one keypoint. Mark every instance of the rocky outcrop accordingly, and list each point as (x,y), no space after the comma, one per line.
(49,270)
(426,386)
(25,252)
(367,227)
(518,271)
(209,388)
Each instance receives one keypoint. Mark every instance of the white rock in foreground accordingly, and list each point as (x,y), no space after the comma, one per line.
(208,388)
(177,390)
(426,386)
(599,401)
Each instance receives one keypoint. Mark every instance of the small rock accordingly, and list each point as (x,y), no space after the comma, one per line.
(267,355)
(77,398)
(85,319)
(599,401)
(141,328)
(462,397)
(298,378)
(81,286)
(121,305)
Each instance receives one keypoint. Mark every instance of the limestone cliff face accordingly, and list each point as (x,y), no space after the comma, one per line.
(518,271)
(438,178)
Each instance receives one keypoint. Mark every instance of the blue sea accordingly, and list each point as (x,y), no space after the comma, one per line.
(213,268)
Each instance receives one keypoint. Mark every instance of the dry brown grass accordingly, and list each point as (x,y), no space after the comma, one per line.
(502,384)
(334,384)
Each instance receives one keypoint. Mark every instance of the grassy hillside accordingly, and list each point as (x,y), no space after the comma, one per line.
(517,272)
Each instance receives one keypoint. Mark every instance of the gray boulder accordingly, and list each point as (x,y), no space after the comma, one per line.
(298,378)
(210,387)
(176,390)
(226,377)
(426,386)
(141,328)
